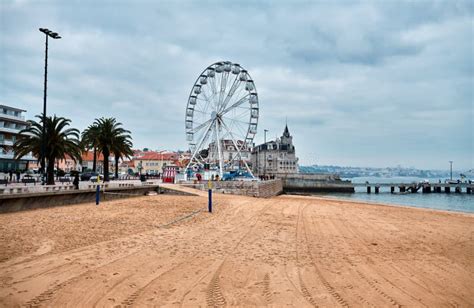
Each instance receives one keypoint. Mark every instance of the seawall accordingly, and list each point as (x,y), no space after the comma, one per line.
(314,183)
(259,189)
(35,200)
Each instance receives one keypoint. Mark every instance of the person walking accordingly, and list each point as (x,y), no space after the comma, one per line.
(10,173)
(76,181)
(18,176)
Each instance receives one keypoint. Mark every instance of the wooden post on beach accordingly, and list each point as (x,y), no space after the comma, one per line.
(377,189)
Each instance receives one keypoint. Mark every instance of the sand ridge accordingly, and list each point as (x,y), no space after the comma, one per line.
(286,250)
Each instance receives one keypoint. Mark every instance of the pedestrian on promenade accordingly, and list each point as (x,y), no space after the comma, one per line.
(76,181)
(10,173)
(18,176)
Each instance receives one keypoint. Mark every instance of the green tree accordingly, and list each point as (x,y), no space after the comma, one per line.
(90,141)
(111,138)
(60,142)
(122,148)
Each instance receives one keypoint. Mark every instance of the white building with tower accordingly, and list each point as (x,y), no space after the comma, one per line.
(276,158)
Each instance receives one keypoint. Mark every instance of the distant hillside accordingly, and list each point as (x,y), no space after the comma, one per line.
(350,172)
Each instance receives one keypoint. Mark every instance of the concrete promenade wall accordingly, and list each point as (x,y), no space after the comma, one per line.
(310,183)
(260,189)
(29,201)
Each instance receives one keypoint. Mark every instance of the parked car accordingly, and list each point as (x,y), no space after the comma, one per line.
(237,176)
(86,176)
(94,178)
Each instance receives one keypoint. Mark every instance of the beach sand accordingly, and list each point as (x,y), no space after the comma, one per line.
(286,250)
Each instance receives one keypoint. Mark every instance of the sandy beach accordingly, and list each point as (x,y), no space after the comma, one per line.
(287,250)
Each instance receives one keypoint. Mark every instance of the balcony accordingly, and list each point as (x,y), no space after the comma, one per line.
(12,117)
(6,142)
(10,155)
(9,130)
(7,155)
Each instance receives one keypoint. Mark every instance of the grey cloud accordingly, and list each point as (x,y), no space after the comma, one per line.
(350,76)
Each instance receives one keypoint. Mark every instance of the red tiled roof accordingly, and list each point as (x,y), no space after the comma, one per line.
(89,156)
(127,163)
(156,156)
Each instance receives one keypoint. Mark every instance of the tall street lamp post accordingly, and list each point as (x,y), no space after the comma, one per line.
(54,35)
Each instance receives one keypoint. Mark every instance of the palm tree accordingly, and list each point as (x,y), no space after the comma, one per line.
(122,148)
(60,142)
(90,141)
(111,138)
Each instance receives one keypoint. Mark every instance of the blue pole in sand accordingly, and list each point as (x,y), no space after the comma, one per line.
(210,196)
(97,195)
(210,200)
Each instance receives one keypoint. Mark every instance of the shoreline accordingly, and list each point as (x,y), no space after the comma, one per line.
(398,205)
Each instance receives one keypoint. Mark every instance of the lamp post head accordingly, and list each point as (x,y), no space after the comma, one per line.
(50,33)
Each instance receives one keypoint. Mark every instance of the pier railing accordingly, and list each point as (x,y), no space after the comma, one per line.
(415,187)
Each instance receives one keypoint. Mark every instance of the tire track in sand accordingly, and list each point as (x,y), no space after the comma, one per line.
(329,244)
(374,284)
(330,289)
(303,290)
(214,293)
(214,297)
(48,294)
(266,288)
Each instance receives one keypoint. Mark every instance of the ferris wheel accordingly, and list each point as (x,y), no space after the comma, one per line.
(221,117)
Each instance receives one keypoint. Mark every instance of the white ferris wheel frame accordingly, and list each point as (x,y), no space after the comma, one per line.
(222,105)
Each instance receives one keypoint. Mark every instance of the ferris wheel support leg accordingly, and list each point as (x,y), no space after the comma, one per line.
(238,150)
(200,143)
(221,165)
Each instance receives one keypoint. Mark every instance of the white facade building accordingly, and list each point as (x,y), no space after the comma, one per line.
(11,123)
(230,154)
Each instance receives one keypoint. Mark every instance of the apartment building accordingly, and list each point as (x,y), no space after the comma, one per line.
(11,123)
(151,162)
(232,158)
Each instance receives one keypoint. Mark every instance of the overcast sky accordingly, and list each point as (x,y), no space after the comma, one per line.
(371,83)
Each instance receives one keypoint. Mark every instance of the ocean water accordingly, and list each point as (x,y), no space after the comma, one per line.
(441,201)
